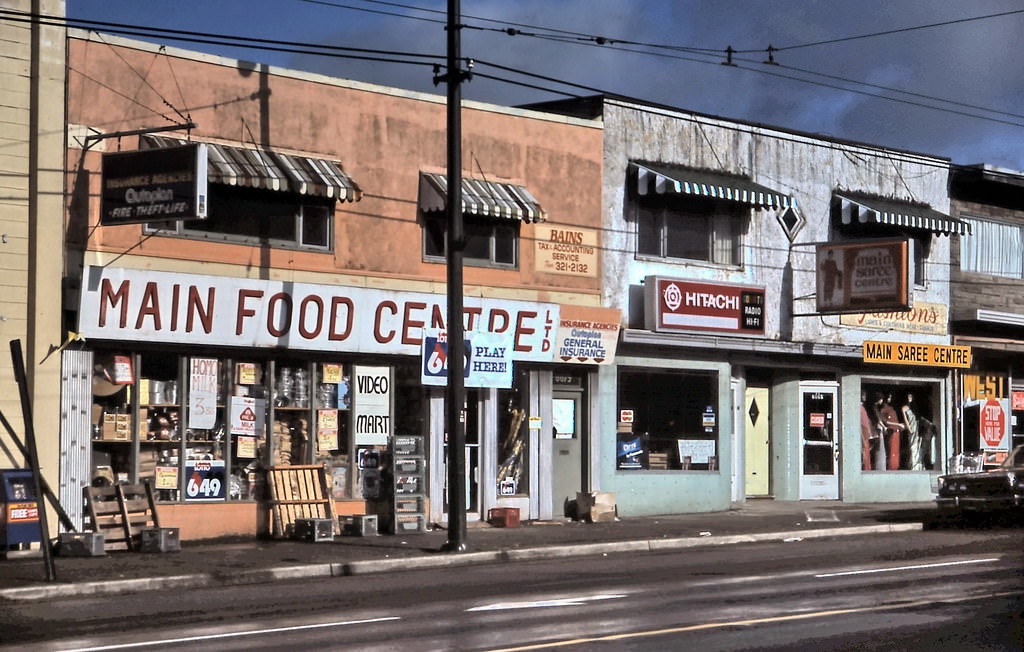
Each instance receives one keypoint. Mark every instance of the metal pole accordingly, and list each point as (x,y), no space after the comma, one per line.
(456,390)
(33,458)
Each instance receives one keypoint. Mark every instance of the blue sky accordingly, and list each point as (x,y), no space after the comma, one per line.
(972,69)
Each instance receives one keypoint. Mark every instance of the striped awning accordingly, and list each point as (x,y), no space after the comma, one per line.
(855,208)
(482,198)
(271,170)
(670,179)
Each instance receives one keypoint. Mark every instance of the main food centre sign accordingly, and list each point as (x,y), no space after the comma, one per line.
(137,305)
(865,276)
(928,355)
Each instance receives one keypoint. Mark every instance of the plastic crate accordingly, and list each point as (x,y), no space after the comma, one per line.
(159,539)
(81,544)
(313,529)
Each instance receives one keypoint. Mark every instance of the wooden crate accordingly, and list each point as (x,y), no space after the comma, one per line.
(298,492)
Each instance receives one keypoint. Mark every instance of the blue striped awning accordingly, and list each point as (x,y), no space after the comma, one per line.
(481,197)
(271,170)
(659,178)
(862,209)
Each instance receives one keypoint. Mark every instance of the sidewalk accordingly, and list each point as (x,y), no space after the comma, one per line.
(250,561)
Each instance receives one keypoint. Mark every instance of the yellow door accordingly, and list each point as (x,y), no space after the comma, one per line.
(756,441)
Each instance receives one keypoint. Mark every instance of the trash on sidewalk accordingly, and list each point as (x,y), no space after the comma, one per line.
(596,506)
(503,516)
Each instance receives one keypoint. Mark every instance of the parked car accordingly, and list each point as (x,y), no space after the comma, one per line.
(969,489)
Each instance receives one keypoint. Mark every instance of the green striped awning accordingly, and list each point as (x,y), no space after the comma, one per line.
(858,208)
(271,170)
(660,178)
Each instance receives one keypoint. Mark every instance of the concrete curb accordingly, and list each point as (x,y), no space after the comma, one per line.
(397,564)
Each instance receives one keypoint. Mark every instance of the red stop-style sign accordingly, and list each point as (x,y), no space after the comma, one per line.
(993,422)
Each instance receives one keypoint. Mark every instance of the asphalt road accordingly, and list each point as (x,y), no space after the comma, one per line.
(933,590)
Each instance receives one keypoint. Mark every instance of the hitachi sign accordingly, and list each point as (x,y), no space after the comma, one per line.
(719,301)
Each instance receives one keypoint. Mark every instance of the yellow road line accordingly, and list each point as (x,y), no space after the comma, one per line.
(740,623)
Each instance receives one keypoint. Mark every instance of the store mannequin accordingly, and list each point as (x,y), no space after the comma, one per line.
(893,430)
(912,426)
(867,432)
(878,450)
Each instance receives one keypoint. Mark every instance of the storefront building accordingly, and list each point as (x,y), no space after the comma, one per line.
(736,377)
(986,314)
(302,321)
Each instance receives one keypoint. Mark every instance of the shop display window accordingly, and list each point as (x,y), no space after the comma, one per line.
(113,430)
(667,420)
(899,428)
(160,428)
(332,400)
(513,440)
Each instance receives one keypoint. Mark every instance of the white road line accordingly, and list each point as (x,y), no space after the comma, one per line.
(915,567)
(541,604)
(253,632)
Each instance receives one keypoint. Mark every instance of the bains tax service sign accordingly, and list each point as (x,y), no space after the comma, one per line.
(128,304)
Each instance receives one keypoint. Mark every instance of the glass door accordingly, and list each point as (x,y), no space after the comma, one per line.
(819,452)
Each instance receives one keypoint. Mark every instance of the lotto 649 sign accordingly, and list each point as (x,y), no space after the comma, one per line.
(204,480)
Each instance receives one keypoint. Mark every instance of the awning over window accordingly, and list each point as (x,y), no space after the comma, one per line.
(858,208)
(271,170)
(670,179)
(481,197)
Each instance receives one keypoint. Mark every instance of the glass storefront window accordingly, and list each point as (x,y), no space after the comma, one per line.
(899,429)
(513,439)
(332,398)
(668,420)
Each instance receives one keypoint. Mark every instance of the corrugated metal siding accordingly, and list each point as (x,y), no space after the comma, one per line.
(75,430)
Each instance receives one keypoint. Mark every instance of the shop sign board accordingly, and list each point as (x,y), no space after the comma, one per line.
(587,334)
(204,480)
(924,318)
(864,276)
(700,451)
(371,406)
(154,185)
(927,355)
(488,359)
(1017,399)
(133,305)
(673,305)
(989,396)
(166,477)
(566,250)
(202,393)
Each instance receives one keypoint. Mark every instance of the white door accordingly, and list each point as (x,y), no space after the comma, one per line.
(819,449)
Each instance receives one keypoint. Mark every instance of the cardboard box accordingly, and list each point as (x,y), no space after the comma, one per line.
(503,516)
(596,507)
(313,529)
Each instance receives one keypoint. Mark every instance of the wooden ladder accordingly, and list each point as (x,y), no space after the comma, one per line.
(121,512)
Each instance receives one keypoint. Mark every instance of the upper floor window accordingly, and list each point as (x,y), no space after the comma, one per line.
(247,216)
(492,212)
(993,247)
(690,228)
(264,197)
(488,242)
(687,214)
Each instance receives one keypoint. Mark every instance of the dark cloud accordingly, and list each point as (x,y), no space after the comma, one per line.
(970,63)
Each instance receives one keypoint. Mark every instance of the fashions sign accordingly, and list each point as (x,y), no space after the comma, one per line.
(127,304)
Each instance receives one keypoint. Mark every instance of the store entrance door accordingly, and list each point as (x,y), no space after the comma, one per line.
(819,452)
(567,463)
(755,439)
(439,457)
